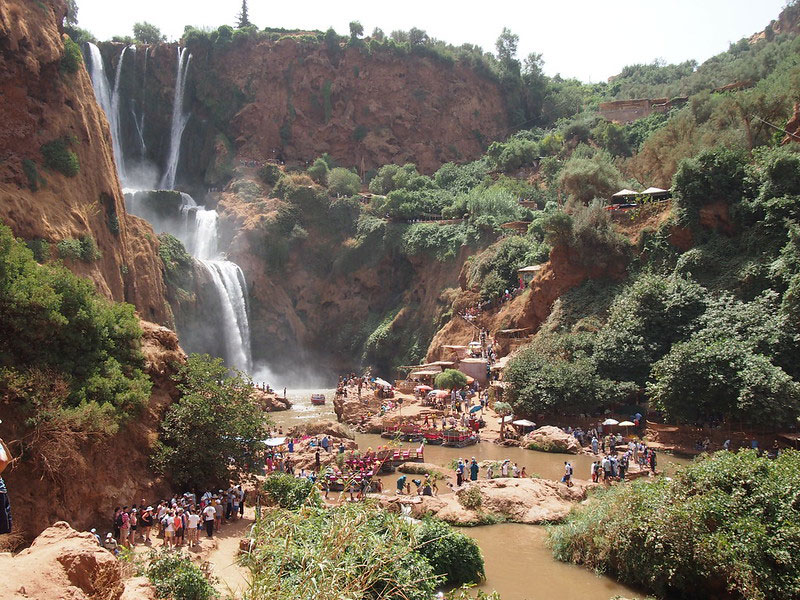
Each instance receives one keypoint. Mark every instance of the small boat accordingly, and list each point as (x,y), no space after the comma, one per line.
(317,399)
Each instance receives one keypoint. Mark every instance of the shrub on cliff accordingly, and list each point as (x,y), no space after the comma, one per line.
(59,157)
(587,178)
(55,324)
(213,432)
(343,182)
(724,525)
(72,59)
(318,171)
(270,174)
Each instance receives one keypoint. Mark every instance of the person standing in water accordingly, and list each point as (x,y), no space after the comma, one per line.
(5,504)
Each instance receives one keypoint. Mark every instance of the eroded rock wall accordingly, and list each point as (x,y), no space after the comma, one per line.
(41,101)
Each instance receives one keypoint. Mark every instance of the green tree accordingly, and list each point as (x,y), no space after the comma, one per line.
(503,409)
(343,182)
(378,34)
(587,178)
(147,33)
(418,37)
(319,171)
(450,552)
(243,19)
(356,30)
(506,45)
(71,18)
(213,432)
(451,379)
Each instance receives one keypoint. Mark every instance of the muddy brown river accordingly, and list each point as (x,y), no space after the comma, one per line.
(519,564)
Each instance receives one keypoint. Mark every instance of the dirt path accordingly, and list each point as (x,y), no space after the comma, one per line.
(221,552)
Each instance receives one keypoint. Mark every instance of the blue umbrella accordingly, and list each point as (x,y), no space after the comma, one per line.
(475,408)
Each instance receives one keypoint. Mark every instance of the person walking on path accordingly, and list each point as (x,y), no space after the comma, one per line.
(209,514)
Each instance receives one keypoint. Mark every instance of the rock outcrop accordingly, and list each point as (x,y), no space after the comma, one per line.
(320,428)
(65,564)
(552,439)
(531,501)
(270,401)
(41,102)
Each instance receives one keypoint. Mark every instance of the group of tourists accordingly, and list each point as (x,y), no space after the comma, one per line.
(424,487)
(177,521)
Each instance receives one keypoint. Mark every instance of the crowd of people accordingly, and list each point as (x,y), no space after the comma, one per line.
(177,521)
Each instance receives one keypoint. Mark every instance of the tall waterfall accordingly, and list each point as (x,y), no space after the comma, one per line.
(109,101)
(138,119)
(179,121)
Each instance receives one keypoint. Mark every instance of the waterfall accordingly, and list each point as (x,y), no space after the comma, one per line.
(138,120)
(109,101)
(179,121)
(230,284)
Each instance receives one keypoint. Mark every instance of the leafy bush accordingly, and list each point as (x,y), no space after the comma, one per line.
(84,248)
(441,241)
(270,174)
(72,59)
(699,379)
(644,322)
(450,553)
(289,492)
(175,576)
(343,182)
(470,497)
(212,433)
(32,173)
(724,525)
(55,323)
(713,176)
(59,157)
(587,178)
(176,260)
(319,171)
(359,550)
(40,249)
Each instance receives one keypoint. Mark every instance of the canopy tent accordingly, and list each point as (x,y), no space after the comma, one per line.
(423,388)
(610,422)
(625,193)
(654,190)
(275,442)
(524,423)
(382,382)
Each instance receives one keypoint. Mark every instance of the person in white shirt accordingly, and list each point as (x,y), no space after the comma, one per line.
(192,521)
(209,514)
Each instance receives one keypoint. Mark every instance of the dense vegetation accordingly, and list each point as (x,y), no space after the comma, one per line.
(213,432)
(359,550)
(725,525)
(72,357)
(175,576)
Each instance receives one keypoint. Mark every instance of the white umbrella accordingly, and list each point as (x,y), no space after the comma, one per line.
(507,419)
(627,424)
(524,423)
(276,441)
(610,422)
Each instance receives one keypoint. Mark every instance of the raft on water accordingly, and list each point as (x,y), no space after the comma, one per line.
(317,399)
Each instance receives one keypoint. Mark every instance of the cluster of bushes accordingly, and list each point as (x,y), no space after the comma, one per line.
(83,248)
(359,550)
(69,355)
(727,524)
(175,576)
(59,157)
(708,334)
(178,263)
(72,59)
(289,492)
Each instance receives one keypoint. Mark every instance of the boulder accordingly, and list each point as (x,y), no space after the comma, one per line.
(76,568)
(270,401)
(531,501)
(320,428)
(552,439)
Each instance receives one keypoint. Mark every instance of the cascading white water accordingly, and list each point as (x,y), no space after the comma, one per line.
(109,101)
(204,246)
(138,119)
(230,284)
(179,121)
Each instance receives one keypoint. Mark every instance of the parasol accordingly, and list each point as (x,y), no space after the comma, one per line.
(475,408)
(610,422)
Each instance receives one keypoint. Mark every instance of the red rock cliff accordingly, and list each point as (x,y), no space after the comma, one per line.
(41,102)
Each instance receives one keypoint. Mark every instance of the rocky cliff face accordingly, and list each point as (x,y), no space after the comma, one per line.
(295,100)
(41,101)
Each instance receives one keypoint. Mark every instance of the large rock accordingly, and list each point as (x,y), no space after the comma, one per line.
(552,439)
(65,564)
(530,501)
(270,401)
(320,428)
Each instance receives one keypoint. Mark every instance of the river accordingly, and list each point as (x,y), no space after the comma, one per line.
(519,564)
